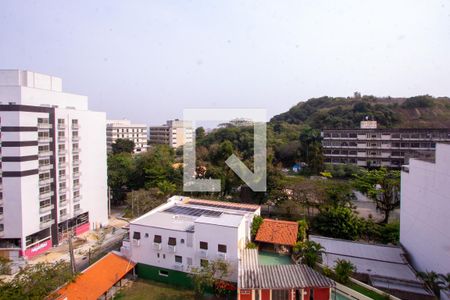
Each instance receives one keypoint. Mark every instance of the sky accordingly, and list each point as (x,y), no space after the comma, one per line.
(148,60)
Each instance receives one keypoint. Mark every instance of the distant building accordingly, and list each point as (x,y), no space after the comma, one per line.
(370,146)
(425,212)
(384,267)
(53,164)
(124,129)
(184,233)
(174,133)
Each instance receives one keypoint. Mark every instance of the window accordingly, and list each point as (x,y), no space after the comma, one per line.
(63,212)
(172,241)
(182,241)
(136,235)
(46,218)
(157,239)
(60,121)
(157,255)
(146,235)
(222,248)
(178,259)
(204,245)
(204,263)
(76,207)
(163,273)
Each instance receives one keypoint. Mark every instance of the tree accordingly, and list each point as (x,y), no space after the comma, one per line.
(343,269)
(123,145)
(256,223)
(311,150)
(207,275)
(36,281)
(302,230)
(142,201)
(338,222)
(199,133)
(5,265)
(383,187)
(120,168)
(436,282)
(309,252)
(166,188)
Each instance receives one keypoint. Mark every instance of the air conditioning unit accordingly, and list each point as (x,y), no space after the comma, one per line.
(172,249)
(221,255)
(203,253)
(178,267)
(136,243)
(157,246)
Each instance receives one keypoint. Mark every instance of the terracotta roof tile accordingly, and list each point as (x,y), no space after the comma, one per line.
(277,232)
(97,279)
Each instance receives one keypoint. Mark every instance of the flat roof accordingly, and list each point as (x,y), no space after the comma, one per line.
(385,264)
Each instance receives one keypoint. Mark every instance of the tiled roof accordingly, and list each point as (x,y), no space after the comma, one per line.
(255,276)
(97,279)
(231,205)
(277,232)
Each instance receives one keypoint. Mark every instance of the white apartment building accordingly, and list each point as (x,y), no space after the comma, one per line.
(124,129)
(185,233)
(53,167)
(174,133)
(425,212)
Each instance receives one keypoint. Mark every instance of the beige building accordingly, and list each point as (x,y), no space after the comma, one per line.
(174,133)
(124,129)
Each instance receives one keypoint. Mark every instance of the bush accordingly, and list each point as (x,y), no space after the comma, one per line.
(257,221)
(251,245)
(338,222)
(343,269)
(418,102)
(302,229)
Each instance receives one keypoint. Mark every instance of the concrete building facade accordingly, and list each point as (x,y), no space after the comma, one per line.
(425,212)
(124,129)
(53,168)
(185,233)
(371,147)
(174,133)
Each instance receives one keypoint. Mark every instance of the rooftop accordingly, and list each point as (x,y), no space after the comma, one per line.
(182,213)
(252,275)
(277,232)
(97,279)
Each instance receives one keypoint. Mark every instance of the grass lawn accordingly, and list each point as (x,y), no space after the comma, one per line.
(366,292)
(144,289)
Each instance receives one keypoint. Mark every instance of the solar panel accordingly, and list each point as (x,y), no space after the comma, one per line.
(224,206)
(190,211)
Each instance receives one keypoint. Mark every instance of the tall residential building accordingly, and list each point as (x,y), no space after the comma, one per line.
(124,129)
(53,164)
(174,133)
(183,233)
(370,146)
(425,212)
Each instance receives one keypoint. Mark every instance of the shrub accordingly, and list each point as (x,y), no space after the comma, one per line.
(251,245)
(257,221)
(343,269)
(338,222)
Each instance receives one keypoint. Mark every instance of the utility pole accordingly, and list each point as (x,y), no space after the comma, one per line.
(73,267)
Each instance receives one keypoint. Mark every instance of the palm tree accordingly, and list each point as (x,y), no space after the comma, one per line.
(309,252)
(343,270)
(436,282)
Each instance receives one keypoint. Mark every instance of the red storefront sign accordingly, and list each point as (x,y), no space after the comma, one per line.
(82,229)
(38,248)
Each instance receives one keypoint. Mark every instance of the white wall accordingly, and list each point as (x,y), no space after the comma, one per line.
(425,212)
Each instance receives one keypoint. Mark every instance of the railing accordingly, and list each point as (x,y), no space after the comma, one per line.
(46,208)
(46,195)
(46,224)
(75,138)
(76,198)
(44,139)
(45,181)
(44,126)
(45,167)
(45,153)
(61,125)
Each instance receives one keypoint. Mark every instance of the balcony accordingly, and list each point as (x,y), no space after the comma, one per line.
(76,198)
(63,217)
(45,153)
(76,162)
(43,182)
(75,126)
(62,177)
(61,126)
(75,138)
(61,138)
(44,126)
(46,195)
(63,203)
(46,224)
(44,140)
(45,167)
(62,190)
(76,175)
(62,152)
(76,187)
(62,165)
(76,150)
(45,209)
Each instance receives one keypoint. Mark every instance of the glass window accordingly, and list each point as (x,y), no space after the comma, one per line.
(178,259)
(204,245)
(172,241)
(222,248)
(157,239)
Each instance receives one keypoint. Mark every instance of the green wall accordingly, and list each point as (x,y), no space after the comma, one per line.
(175,277)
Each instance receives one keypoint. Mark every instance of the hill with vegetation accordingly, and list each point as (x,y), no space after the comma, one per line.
(335,112)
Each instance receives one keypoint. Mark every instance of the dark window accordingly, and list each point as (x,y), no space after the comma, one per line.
(204,263)
(222,248)
(163,273)
(136,235)
(157,255)
(157,239)
(146,235)
(182,241)
(172,241)
(204,245)
(178,259)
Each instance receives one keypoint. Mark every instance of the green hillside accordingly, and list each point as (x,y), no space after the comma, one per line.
(329,112)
